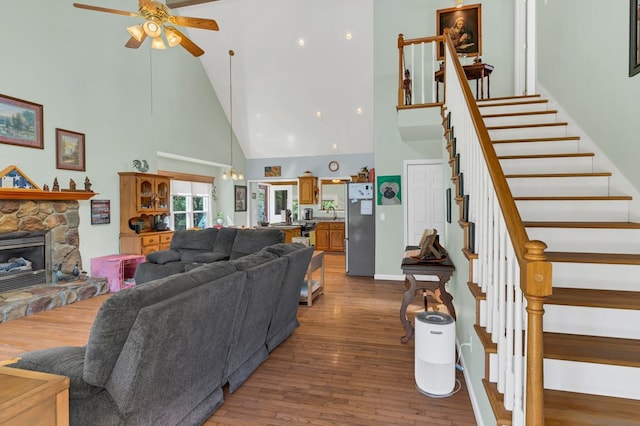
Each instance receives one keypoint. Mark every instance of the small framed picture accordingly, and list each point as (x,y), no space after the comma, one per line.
(100,212)
(20,122)
(464,25)
(241,198)
(70,150)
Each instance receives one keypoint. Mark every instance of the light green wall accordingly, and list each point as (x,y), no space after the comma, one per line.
(129,103)
(583,61)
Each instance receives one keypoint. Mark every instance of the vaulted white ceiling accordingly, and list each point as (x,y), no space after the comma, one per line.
(302,73)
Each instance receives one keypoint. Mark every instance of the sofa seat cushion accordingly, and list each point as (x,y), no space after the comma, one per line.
(149,271)
(163,256)
(210,257)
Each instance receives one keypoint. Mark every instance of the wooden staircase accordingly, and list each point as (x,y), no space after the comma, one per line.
(591,338)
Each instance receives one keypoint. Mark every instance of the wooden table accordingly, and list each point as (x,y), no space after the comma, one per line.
(475,72)
(33,398)
(436,289)
(317,262)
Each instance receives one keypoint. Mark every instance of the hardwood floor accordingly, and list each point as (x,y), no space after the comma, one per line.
(344,365)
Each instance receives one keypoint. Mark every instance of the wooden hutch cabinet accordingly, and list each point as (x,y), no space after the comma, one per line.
(330,236)
(144,203)
(307,190)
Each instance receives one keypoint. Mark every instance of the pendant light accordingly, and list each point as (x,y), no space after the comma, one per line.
(232,173)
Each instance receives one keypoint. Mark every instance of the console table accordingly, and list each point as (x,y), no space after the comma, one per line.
(436,289)
(33,398)
(475,72)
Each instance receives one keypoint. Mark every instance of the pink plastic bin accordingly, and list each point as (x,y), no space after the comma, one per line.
(118,269)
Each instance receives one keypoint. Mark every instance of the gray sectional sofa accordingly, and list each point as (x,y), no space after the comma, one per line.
(161,352)
(193,248)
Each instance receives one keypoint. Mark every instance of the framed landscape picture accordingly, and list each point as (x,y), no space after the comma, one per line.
(464,24)
(20,122)
(634,37)
(70,149)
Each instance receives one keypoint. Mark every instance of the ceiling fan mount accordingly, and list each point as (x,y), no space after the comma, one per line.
(157,16)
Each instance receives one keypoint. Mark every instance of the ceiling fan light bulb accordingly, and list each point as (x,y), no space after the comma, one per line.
(136,32)
(224,175)
(151,28)
(173,39)
(157,43)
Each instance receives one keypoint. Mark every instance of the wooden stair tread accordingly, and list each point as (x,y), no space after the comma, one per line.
(571,408)
(549,139)
(614,299)
(591,225)
(534,156)
(557,175)
(504,98)
(524,102)
(594,349)
(526,126)
(605,258)
(517,114)
(496,399)
(576,198)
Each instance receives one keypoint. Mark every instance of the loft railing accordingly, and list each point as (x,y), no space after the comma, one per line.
(419,57)
(511,270)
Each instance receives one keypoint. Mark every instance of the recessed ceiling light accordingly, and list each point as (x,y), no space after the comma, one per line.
(348,36)
(335,146)
(359,110)
(301,42)
(318,114)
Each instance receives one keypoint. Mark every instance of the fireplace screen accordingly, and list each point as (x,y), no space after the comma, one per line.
(25,260)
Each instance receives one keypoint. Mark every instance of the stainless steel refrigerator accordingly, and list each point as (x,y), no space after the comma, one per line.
(360,227)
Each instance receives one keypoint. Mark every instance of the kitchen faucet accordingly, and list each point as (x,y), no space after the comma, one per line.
(335,214)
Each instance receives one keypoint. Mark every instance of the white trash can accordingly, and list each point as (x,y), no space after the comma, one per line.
(435,353)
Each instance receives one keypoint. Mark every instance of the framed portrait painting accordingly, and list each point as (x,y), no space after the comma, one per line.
(464,24)
(70,150)
(241,198)
(20,122)
(634,37)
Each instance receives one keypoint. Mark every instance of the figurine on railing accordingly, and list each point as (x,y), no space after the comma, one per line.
(406,85)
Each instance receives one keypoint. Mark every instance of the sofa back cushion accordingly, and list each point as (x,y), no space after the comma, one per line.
(117,315)
(191,239)
(224,242)
(249,241)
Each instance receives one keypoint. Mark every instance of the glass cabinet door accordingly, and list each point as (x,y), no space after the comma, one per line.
(162,188)
(146,194)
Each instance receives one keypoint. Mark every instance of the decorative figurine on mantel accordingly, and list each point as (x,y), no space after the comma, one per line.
(72,185)
(87,184)
(56,186)
(45,187)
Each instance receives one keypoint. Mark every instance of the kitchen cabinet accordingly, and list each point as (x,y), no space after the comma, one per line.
(307,190)
(144,203)
(330,236)
(290,233)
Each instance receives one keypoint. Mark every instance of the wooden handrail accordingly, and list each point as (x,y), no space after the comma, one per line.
(535,269)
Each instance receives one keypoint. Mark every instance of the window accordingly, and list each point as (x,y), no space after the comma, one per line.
(190,206)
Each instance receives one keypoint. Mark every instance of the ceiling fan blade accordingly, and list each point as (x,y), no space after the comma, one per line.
(189,45)
(134,44)
(202,23)
(104,9)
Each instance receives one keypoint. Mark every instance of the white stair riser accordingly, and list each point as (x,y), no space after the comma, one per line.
(596,276)
(536,148)
(510,109)
(588,240)
(528,132)
(598,379)
(507,120)
(547,165)
(580,211)
(556,186)
(589,321)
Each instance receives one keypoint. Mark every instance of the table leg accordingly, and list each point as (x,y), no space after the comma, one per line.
(482,84)
(446,297)
(406,300)
(489,86)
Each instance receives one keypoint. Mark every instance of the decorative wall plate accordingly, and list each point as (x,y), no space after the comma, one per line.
(334,166)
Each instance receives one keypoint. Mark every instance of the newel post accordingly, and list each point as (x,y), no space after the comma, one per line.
(537,286)
(400,69)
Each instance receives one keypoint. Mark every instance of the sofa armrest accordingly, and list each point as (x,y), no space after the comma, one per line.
(163,256)
(210,257)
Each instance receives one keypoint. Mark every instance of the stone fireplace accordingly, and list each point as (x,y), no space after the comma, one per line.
(25,259)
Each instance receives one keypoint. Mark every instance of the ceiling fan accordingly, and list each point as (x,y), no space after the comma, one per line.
(159,20)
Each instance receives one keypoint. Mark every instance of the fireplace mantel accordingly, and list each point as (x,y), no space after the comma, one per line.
(37,194)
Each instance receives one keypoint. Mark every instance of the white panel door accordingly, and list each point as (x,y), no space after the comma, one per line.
(425,200)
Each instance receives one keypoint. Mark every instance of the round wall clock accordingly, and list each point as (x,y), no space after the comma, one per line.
(334,166)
